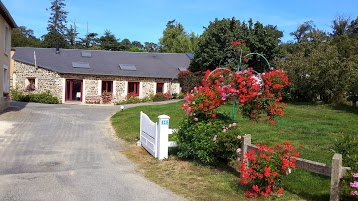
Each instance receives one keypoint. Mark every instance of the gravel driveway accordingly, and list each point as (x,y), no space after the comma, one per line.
(67,152)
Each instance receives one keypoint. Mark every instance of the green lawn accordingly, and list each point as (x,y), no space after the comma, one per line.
(315,126)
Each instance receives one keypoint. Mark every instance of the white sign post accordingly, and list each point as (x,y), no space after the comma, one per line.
(163,136)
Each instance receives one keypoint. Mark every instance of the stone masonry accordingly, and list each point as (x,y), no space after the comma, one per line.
(46,80)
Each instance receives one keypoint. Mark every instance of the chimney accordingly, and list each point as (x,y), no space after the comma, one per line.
(57,48)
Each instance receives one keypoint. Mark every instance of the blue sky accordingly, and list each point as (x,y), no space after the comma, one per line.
(145,20)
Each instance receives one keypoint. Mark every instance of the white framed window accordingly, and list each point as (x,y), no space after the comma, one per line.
(7,40)
(6,78)
(31,84)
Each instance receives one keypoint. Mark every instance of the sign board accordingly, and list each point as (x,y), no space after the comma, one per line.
(165,122)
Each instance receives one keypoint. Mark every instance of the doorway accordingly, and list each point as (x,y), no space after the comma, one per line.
(73,90)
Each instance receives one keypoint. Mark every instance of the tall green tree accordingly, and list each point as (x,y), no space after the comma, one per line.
(23,37)
(90,41)
(214,45)
(302,31)
(56,25)
(176,39)
(125,45)
(109,41)
(340,25)
(151,47)
(71,35)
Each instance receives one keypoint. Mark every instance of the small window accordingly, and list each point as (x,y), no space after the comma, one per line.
(30,84)
(6,40)
(86,54)
(133,88)
(107,86)
(6,81)
(160,87)
(129,67)
(80,65)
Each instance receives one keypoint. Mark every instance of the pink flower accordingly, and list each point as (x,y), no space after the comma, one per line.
(239,137)
(214,139)
(355,175)
(354,184)
(234,124)
(196,119)
(354,193)
(238,150)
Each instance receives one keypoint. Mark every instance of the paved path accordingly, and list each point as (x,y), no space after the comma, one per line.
(67,152)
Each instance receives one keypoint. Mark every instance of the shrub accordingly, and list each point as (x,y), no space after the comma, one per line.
(175,95)
(189,80)
(129,99)
(347,146)
(263,171)
(159,97)
(148,98)
(106,97)
(207,142)
(44,97)
(168,95)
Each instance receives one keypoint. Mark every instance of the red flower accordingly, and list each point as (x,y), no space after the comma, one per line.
(213,115)
(279,191)
(245,59)
(272,122)
(275,174)
(235,43)
(296,154)
(267,171)
(255,188)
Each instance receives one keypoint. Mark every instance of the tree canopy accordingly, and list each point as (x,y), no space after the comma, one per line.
(214,45)
(56,25)
(176,39)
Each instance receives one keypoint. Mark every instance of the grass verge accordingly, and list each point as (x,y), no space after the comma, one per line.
(314,126)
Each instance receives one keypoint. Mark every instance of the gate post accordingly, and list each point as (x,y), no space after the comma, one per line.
(335,177)
(162,142)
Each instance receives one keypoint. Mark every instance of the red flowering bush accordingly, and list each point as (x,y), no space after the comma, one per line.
(263,171)
(259,96)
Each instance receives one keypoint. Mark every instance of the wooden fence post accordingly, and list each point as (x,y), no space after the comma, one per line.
(245,141)
(335,177)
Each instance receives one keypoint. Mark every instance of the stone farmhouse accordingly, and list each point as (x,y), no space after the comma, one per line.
(7,23)
(74,75)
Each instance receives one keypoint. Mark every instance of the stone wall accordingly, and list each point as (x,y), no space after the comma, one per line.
(51,81)
(45,80)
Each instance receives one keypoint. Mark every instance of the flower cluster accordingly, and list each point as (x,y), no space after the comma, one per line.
(354,184)
(106,97)
(30,87)
(263,171)
(259,96)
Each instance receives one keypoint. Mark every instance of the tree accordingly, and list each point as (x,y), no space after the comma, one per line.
(71,35)
(125,45)
(353,27)
(302,31)
(214,45)
(56,25)
(109,41)
(176,39)
(137,44)
(23,37)
(340,25)
(90,41)
(151,47)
